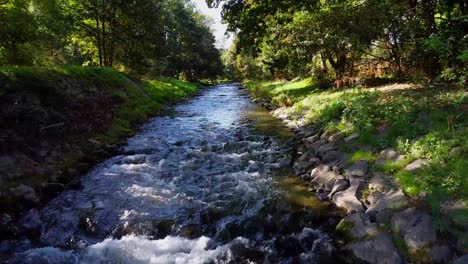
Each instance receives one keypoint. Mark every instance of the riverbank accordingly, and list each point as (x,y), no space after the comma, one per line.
(394,157)
(57,123)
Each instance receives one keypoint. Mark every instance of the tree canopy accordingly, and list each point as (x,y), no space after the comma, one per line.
(165,37)
(336,38)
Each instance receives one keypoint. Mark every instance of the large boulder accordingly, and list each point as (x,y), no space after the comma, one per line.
(378,250)
(357,226)
(323,178)
(349,199)
(359,168)
(416,227)
(393,199)
(379,182)
(340,185)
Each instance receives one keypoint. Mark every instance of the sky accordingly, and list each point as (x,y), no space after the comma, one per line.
(219,29)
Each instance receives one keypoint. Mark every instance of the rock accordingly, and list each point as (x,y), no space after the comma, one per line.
(462,243)
(416,228)
(314,147)
(456,151)
(340,185)
(379,250)
(461,260)
(134,159)
(393,199)
(25,193)
(324,148)
(379,183)
(441,254)
(348,199)
(351,137)
(334,157)
(392,155)
(311,139)
(307,132)
(417,165)
(323,178)
(335,137)
(326,135)
(357,226)
(360,168)
(373,197)
(305,163)
(384,216)
(321,196)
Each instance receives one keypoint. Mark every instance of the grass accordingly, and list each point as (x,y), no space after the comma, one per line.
(419,122)
(93,103)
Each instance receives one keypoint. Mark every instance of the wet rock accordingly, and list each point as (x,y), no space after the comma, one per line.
(340,185)
(441,254)
(323,178)
(379,183)
(134,159)
(348,199)
(306,132)
(461,260)
(357,226)
(379,250)
(393,199)
(351,137)
(417,165)
(314,147)
(334,158)
(360,168)
(25,193)
(321,196)
(416,227)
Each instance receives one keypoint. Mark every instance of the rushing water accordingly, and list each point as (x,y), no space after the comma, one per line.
(203,184)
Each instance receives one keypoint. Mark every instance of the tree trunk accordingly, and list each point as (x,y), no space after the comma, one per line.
(104,35)
(98,37)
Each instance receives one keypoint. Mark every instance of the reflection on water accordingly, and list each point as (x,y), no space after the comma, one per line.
(207,183)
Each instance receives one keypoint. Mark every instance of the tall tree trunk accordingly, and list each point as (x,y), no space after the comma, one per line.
(431,60)
(104,35)
(98,36)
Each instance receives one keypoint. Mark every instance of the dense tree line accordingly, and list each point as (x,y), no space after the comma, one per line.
(345,38)
(163,37)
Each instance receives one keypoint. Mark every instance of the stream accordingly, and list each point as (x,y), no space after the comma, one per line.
(207,182)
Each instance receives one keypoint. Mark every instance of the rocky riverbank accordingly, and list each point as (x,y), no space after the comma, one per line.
(383,224)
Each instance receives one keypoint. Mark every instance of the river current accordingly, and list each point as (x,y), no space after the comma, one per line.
(205,183)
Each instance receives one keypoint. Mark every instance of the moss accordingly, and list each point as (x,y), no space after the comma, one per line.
(344,227)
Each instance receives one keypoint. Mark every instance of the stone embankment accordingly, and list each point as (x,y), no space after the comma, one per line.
(383,225)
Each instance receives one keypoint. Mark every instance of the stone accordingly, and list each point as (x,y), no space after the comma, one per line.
(324,148)
(461,260)
(379,183)
(340,185)
(392,155)
(357,226)
(359,168)
(379,250)
(314,147)
(307,131)
(333,157)
(348,199)
(326,135)
(323,178)
(25,193)
(311,139)
(417,165)
(441,254)
(336,137)
(393,199)
(305,163)
(321,196)
(134,159)
(384,216)
(351,137)
(416,227)
(373,197)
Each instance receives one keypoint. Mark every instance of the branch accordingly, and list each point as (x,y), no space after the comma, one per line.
(4,3)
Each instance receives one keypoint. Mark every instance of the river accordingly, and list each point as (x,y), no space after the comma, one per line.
(207,182)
